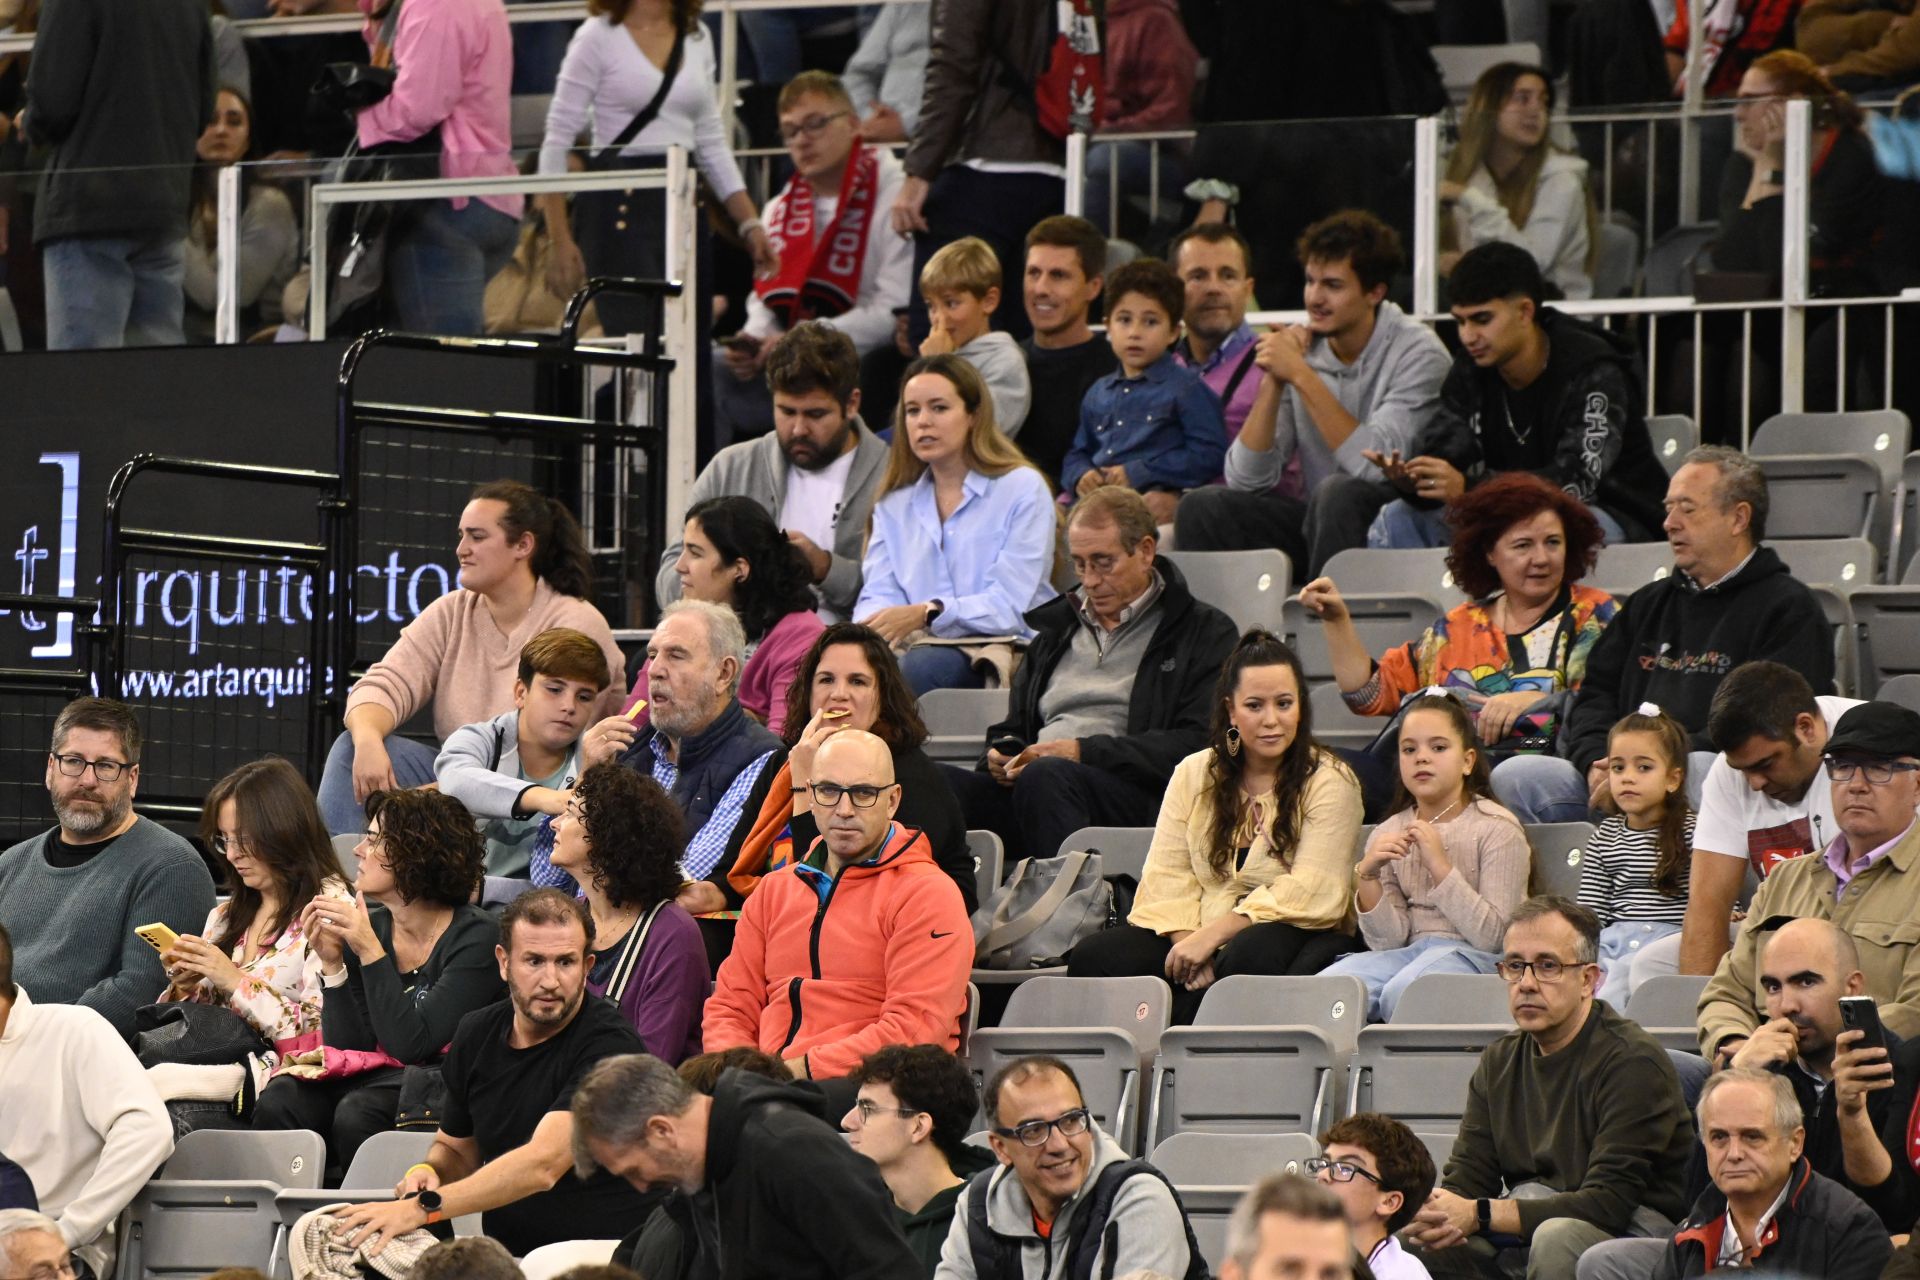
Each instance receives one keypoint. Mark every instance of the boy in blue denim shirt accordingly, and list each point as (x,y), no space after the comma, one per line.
(1154,426)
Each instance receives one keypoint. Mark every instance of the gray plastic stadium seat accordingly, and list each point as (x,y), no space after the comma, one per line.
(1211,1171)
(1418,1074)
(1370,571)
(1461,65)
(1624,568)
(989,861)
(1665,1007)
(1446,999)
(1906,523)
(1264,1055)
(1558,848)
(1887,624)
(381,1162)
(343,847)
(1123,850)
(1106,1029)
(1248,586)
(212,1203)
(1674,436)
(1335,724)
(1904,690)
(958,720)
(1393,596)
(1882,436)
(1822,495)
(1845,563)
(1439,1146)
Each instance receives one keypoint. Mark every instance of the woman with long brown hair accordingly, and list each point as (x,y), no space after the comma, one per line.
(1507,181)
(1251,865)
(964,529)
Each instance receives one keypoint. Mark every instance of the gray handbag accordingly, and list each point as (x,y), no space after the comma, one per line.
(1045,907)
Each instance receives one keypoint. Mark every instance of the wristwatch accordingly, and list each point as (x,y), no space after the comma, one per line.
(934,609)
(430,1201)
(1483,1210)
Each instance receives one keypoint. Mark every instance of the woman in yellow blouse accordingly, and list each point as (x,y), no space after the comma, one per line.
(1251,867)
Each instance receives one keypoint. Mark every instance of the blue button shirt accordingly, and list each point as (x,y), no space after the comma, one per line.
(1165,427)
(988,563)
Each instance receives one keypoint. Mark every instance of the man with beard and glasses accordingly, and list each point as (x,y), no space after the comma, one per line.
(815,472)
(72,898)
(505,1145)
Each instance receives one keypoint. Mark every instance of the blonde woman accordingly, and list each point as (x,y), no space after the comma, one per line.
(963,537)
(1506,181)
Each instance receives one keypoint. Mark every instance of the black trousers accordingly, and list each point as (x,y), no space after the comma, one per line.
(1052,799)
(1000,208)
(347,1111)
(1274,948)
(1217,518)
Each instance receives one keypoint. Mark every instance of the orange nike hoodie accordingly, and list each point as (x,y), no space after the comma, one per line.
(836,967)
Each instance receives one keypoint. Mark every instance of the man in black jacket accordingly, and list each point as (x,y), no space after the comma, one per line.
(1728,601)
(121,92)
(1116,689)
(1533,391)
(773,1189)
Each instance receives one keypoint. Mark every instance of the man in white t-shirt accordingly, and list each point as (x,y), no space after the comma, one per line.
(1763,802)
(815,472)
(839,261)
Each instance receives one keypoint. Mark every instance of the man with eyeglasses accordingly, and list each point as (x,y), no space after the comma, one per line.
(1575,1130)
(1767,1209)
(1068,1201)
(32,1248)
(864,942)
(73,897)
(911,1118)
(839,262)
(1866,880)
(1381,1173)
(1116,690)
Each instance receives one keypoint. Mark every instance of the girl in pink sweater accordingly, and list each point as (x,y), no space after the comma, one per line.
(523,568)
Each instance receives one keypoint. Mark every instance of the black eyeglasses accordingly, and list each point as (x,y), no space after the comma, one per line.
(1034,1132)
(811,126)
(864,797)
(1879,772)
(104,770)
(1340,1170)
(1545,969)
(226,846)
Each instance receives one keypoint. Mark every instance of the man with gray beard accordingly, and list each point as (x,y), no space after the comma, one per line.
(72,897)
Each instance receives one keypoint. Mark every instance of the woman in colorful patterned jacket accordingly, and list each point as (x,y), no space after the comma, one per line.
(1517,648)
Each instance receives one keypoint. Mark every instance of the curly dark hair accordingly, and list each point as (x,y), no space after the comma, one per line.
(1399,1157)
(1153,280)
(1258,649)
(897,723)
(635,835)
(926,1078)
(1487,511)
(433,845)
(702,1071)
(778,582)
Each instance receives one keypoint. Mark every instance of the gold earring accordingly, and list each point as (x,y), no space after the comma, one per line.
(1233,740)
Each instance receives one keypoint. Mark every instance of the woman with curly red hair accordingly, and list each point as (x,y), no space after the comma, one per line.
(1516,649)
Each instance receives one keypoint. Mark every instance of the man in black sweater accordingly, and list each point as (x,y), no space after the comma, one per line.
(1728,601)
(121,92)
(1066,259)
(773,1189)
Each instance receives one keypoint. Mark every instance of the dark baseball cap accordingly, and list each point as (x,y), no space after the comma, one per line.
(1876,731)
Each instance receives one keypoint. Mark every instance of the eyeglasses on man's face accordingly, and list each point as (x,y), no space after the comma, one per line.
(1033,1133)
(827,794)
(74,766)
(867,1109)
(1545,969)
(1340,1170)
(811,126)
(1879,772)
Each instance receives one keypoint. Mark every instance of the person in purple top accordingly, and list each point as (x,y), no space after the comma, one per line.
(621,837)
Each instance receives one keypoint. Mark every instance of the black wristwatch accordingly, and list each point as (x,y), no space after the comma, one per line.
(934,609)
(1483,1210)
(430,1202)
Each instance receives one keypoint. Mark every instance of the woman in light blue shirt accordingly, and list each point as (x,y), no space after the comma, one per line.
(964,530)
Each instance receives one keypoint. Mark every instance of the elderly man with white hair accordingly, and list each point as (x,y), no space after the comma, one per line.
(32,1248)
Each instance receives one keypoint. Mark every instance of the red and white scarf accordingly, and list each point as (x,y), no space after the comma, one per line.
(821,277)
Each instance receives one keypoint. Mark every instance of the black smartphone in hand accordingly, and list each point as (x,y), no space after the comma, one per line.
(1008,745)
(1860,1013)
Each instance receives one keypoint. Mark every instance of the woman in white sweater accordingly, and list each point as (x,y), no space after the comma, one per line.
(613,70)
(1507,181)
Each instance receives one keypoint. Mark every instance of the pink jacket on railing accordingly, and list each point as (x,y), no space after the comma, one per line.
(455,62)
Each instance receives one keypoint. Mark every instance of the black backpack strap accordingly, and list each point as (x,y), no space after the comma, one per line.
(1096,1232)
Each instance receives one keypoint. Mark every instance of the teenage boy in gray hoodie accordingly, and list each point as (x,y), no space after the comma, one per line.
(1358,377)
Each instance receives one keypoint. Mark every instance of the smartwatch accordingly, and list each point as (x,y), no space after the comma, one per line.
(430,1201)
(1482,1209)
(934,609)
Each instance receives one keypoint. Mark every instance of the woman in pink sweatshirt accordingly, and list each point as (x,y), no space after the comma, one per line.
(523,568)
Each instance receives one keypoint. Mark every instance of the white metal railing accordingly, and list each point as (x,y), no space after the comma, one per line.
(682,265)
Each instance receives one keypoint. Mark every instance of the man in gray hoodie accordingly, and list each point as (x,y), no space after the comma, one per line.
(1358,377)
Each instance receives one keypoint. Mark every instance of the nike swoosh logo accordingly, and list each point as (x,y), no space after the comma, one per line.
(948,934)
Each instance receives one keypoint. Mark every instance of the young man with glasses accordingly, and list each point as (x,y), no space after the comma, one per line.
(1866,880)
(1575,1130)
(915,1106)
(1066,1190)
(865,942)
(1382,1174)
(839,262)
(73,897)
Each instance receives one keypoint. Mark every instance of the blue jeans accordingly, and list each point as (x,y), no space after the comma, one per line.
(938,666)
(1621,945)
(345,816)
(1402,526)
(1387,973)
(438,268)
(774,37)
(1549,789)
(114,291)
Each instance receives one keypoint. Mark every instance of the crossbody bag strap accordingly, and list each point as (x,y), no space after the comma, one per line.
(611,152)
(630,954)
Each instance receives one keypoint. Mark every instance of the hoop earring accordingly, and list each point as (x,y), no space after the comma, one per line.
(1233,740)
